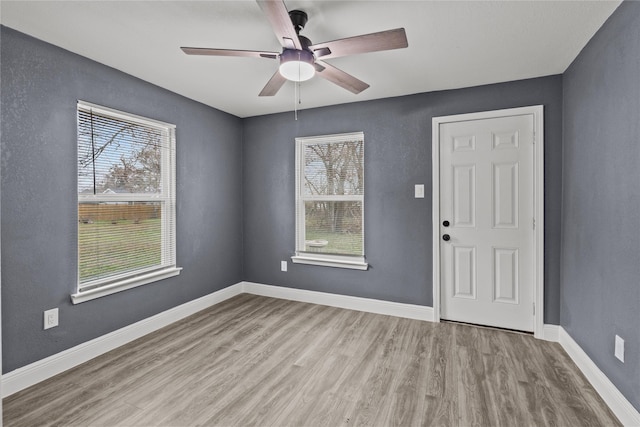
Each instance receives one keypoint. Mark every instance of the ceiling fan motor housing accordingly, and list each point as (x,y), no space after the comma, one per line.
(305,42)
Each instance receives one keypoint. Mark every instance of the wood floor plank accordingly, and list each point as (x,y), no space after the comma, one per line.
(440,401)
(473,400)
(257,361)
(409,390)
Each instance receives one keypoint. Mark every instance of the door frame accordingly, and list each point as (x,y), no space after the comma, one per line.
(538,203)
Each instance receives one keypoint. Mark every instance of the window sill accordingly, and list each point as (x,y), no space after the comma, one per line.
(354,263)
(125,284)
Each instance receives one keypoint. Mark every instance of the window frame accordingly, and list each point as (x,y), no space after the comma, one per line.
(167,197)
(328,260)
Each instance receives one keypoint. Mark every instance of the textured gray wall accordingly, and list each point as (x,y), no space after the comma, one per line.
(397,156)
(40,86)
(600,292)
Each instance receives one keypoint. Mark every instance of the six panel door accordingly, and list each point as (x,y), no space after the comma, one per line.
(486,197)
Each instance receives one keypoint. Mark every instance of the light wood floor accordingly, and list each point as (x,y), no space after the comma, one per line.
(260,361)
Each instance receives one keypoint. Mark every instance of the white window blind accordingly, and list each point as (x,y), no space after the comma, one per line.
(330,200)
(126,200)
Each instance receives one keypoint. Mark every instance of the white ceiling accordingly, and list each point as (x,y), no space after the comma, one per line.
(452,44)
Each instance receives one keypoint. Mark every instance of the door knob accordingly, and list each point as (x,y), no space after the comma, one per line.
(446,237)
(445,223)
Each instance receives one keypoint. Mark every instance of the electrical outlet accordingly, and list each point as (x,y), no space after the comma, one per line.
(283,265)
(51,318)
(419,191)
(619,349)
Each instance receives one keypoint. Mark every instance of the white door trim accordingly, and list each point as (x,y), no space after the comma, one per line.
(538,203)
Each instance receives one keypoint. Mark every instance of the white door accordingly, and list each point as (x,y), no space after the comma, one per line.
(486,221)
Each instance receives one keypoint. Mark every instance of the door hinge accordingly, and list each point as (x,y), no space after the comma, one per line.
(534,223)
(534,308)
(534,137)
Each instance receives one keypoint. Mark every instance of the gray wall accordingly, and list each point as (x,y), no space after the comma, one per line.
(40,86)
(397,156)
(600,292)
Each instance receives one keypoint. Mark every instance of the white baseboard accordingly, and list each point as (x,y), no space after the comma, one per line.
(409,311)
(619,405)
(33,373)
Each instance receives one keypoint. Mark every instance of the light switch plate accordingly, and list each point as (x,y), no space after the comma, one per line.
(419,191)
(619,349)
(283,265)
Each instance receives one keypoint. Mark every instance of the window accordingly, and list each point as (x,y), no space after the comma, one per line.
(330,201)
(126,201)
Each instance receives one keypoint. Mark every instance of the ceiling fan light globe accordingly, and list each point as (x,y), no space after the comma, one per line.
(297,71)
(297,65)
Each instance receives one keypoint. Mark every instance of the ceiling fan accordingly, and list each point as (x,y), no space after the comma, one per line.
(300,60)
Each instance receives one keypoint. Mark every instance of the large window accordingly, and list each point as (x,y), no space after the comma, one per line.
(126,201)
(330,201)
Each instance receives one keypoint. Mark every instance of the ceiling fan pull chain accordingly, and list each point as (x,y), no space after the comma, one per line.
(296,92)
(295,97)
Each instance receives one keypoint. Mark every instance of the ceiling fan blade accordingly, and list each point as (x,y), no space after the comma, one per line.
(374,42)
(229,52)
(278,16)
(273,85)
(339,77)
